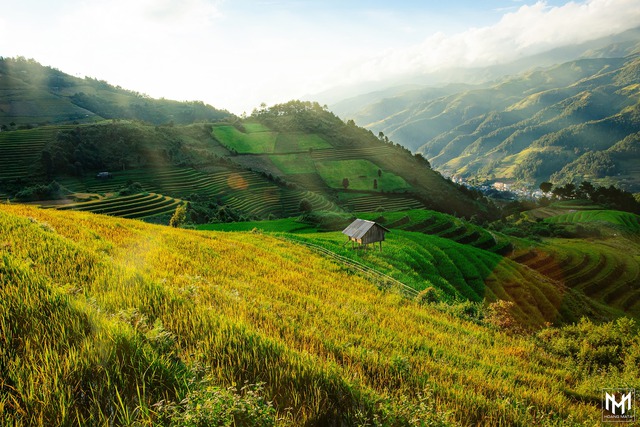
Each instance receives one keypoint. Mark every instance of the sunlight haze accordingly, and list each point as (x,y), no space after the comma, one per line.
(238,54)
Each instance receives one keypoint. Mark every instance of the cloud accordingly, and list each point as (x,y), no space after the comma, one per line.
(529,30)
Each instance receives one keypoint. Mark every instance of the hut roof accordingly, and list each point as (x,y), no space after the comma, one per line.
(359,228)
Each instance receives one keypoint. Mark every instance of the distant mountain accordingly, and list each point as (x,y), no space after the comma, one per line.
(573,121)
(32,94)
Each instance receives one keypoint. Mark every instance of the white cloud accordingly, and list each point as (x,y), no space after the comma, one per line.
(529,30)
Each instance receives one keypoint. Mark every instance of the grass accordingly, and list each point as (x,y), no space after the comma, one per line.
(257,139)
(359,202)
(288,225)
(442,225)
(110,321)
(462,272)
(624,220)
(430,256)
(19,150)
(142,205)
(243,190)
(608,271)
(361,175)
(296,142)
(294,163)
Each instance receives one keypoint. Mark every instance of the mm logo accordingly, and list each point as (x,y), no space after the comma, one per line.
(618,405)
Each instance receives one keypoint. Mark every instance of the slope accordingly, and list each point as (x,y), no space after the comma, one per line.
(32,94)
(107,320)
(559,123)
(261,166)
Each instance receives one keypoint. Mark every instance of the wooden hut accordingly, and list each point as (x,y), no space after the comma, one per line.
(364,232)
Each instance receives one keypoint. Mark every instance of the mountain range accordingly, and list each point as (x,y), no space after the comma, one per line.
(251,309)
(573,121)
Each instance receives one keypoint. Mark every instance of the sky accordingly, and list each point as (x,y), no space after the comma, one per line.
(237,54)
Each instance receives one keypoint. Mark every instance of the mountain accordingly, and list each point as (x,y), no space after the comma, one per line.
(55,128)
(32,94)
(557,123)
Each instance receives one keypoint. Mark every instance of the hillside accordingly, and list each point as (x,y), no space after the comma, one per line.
(32,94)
(111,321)
(557,280)
(574,121)
(265,165)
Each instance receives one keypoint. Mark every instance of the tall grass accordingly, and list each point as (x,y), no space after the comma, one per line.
(107,321)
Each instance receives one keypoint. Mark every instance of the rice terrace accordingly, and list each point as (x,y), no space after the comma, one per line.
(168,263)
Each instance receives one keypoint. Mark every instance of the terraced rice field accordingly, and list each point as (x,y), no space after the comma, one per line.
(241,190)
(365,202)
(629,221)
(461,271)
(20,149)
(135,206)
(445,226)
(351,153)
(601,271)
(295,163)
(362,175)
(299,142)
(277,201)
(256,139)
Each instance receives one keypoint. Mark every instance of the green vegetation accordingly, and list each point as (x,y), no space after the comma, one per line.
(139,205)
(254,140)
(287,225)
(51,191)
(296,142)
(547,281)
(34,94)
(294,163)
(234,165)
(109,321)
(625,220)
(564,123)
(361,175)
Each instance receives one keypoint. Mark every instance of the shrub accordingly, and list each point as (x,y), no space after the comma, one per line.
(305,206)
(500,314)
(179,217)
(213,406)
(428,296)
(52,191)
(131,188)
(594,347)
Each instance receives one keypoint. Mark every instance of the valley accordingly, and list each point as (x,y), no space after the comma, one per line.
(167,263)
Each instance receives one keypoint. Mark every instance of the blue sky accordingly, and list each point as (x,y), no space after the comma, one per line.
(236,54)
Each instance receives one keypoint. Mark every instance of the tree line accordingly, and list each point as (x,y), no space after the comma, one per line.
(610,197)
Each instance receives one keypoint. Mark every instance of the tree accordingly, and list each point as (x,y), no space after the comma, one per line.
(179,216)
(379,173)
(305,206)
(375,184)
(585,190)
(566,192)
(545,187)
(345,183)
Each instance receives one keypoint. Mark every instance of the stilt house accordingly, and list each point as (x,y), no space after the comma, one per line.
(364,232)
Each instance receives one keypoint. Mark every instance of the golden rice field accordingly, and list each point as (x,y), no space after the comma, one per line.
(108,321)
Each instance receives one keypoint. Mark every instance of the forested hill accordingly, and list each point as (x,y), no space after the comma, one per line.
(279,162)
(571,122)
(32,94)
